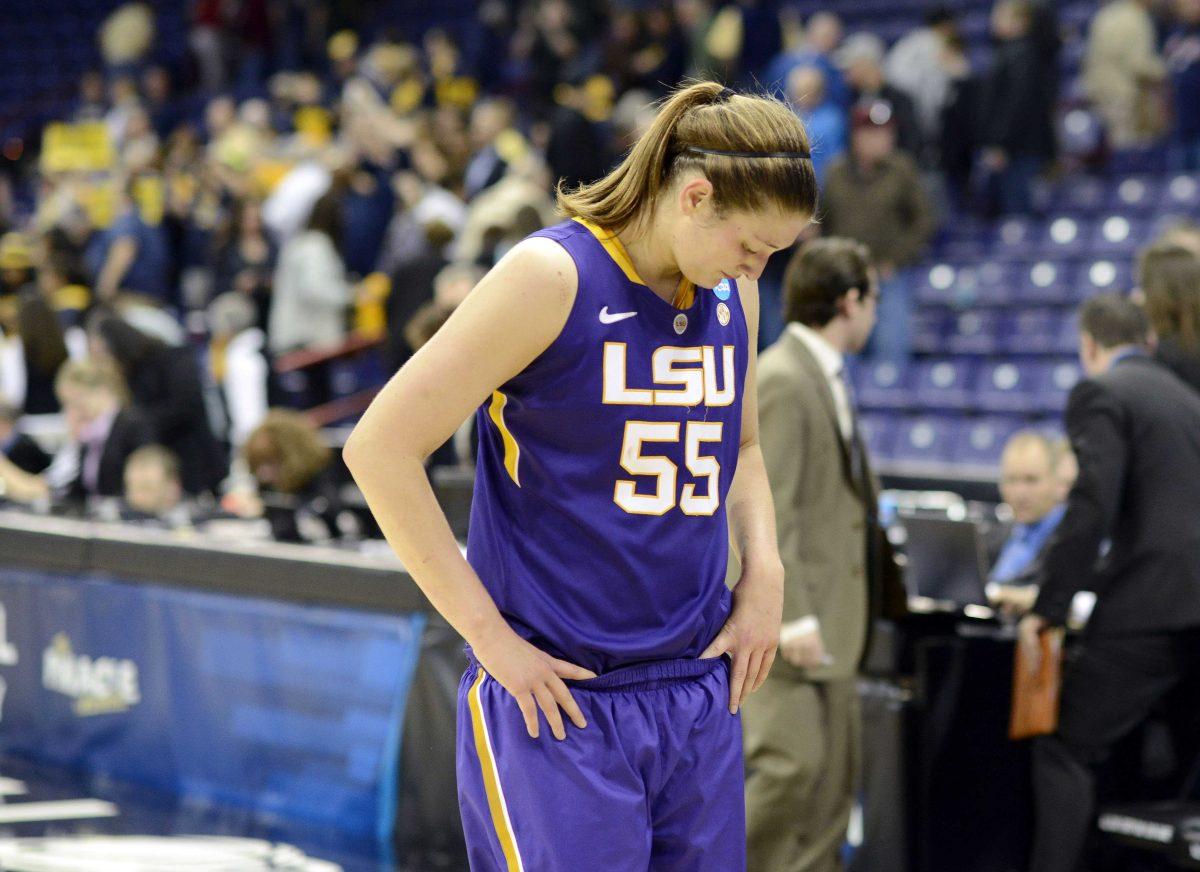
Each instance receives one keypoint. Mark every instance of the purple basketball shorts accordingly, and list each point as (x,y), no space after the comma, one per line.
(653,783)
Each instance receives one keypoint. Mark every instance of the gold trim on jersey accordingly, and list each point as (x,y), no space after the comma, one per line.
(685,295)
(512,451)
(491,779)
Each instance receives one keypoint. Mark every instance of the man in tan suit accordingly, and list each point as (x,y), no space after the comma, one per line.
(802,727)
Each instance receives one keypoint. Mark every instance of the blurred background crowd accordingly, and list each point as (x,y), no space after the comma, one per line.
(218,208)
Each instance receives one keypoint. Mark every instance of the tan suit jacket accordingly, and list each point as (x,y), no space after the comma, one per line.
(820,511)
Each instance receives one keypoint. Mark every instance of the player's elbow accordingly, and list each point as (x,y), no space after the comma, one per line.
(369,448)
(360,451)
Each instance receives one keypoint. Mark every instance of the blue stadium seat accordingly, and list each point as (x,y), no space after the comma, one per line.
(976,331)
(997,283)
(884,386)
(928,328)
(964,240)
(1045,282)
(1119,236)
(1168,220)
(1134,195)
(879,434)
(1065,237)
(1080,133)
(979,442)
(1014,237)
(1084,195)
(935,284)
(1053,382)
(1067,340)
(1102,276)
(1006,386)
(925,439)
(1182,193)
(944,383)
(1034,331)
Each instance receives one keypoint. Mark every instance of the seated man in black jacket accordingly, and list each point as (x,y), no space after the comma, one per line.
(102,433)
(1135,429)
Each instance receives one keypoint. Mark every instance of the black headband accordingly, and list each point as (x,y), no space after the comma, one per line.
(794,155)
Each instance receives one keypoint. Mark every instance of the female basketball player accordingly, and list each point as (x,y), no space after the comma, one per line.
(611,359)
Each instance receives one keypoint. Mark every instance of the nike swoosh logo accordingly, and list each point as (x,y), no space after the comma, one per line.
(606,318)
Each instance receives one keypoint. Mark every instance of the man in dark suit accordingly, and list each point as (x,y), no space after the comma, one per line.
(102,434)
(1135,429)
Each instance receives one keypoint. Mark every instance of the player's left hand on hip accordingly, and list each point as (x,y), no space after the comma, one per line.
(751,634)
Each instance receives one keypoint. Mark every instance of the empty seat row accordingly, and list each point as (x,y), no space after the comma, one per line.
(1000,283)
(1025,386)
(945,442)
(1060,237)
(992,331)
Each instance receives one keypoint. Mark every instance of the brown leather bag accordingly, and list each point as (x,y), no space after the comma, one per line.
(1035,694)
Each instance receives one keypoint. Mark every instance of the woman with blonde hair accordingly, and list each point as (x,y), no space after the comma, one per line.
(611,361)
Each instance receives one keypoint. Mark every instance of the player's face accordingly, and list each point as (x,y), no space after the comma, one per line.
(735,244)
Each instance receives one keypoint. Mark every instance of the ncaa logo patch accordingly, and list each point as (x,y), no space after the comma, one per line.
(723,289)
(723,314)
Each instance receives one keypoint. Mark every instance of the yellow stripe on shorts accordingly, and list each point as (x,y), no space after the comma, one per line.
(491,779)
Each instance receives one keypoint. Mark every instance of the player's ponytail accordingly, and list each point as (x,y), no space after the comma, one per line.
(752,148)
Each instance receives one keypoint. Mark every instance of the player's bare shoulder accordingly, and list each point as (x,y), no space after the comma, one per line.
(537,273)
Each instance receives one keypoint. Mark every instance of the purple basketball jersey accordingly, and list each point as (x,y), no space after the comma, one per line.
(598,523)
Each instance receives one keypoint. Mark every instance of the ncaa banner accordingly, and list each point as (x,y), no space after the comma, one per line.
(289,710)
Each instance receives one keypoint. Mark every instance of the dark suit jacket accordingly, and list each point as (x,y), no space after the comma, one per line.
(27,454)
(130,431)
(1136,433)
(168,392)
(1183,363)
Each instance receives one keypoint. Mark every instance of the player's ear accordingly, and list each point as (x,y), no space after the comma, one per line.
(693,195)
(852,296)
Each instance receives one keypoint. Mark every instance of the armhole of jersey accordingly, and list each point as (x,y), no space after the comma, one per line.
(575,305)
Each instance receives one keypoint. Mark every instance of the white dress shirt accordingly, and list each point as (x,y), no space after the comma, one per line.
(831,362)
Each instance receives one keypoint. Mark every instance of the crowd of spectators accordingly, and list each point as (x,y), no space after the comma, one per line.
(310,175)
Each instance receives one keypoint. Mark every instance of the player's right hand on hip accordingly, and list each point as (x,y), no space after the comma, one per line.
(535,680)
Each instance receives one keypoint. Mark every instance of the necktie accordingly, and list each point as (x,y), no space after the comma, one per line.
(855,445)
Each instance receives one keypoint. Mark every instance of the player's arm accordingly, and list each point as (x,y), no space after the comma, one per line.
(751,635)
(513,315)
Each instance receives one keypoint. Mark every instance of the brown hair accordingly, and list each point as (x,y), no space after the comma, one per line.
(1169,275)
(706,115)
(1113,320)
(819,275)
(289,439)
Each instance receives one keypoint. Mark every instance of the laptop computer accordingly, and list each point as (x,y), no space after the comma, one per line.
(947,560)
